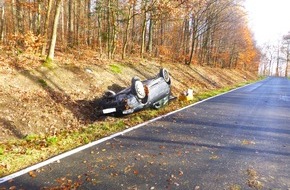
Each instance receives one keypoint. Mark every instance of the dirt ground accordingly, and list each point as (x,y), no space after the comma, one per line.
(38,98)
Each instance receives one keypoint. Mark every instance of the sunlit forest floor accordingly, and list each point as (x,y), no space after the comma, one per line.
(43,103)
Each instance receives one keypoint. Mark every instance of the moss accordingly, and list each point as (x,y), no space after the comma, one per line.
(42,83)
(115,68)
(48,63)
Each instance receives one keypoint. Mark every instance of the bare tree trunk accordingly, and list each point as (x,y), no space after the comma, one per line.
(109,29)
(150,36)
(193,40)
(54,31)
(62,23)
(70,23)
(89,22)
(278,61)
(100,42)
(185,40)
(77,11)
(133,34)
(143,33)
(287,67)
(38,18)
(125,43)
(2,23)
(13,10)
(46,26)
(19,16)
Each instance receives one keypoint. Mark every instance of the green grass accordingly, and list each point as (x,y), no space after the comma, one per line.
(1,151)
(48,63)
(116,68)
(42,83)
(18,154)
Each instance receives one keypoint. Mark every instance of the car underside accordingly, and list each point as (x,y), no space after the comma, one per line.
(154,92)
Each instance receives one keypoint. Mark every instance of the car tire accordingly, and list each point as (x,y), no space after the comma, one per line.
(157,105)
(138,88)
(165,75)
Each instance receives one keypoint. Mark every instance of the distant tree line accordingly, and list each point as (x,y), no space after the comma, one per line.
(275,60)
(203,32)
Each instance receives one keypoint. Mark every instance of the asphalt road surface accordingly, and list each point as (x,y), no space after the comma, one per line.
(240,140)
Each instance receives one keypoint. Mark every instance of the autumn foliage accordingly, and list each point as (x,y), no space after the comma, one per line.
(203,32)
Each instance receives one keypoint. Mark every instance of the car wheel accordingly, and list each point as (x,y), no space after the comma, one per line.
(165,75)
(138,88)
(157,105)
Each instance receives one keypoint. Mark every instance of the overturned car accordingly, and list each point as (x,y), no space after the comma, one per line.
(154,92)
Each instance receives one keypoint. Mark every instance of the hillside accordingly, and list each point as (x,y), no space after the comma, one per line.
(38,98)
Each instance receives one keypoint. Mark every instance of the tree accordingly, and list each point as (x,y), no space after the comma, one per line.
(50,55)
(2,8)
(128,20)
(267,60)
(46,27)
(70,23)
(286,51)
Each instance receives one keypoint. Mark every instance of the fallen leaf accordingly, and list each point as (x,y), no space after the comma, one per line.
(197,188)
(32,174)
(248,142)
(214,157)
(12,188)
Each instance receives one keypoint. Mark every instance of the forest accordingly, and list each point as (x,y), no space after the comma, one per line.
(211,33)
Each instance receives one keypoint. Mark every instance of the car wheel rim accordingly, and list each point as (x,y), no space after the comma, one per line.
(166,75)
(140,89)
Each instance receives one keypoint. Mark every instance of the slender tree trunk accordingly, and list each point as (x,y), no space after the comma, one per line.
(133,34)
(161,31)
(185,40)
(287,67)
(193,41)
(62,23)
(115,17)
(143,33)
(38,18)
(13,11)
(30,20)
(2,23)
(89,22)
(46,26)
(109,29)
(287,59)
(125,43)
(278,62)
(100,42)
(54,31)
(77,22)
(70,23)
(150,36)
(19,16)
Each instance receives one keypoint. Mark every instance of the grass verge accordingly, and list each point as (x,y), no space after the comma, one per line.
(18,154)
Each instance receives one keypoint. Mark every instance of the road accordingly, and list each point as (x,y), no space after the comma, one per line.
(239,140)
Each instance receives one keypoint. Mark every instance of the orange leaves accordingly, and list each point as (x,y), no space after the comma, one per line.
(248,52)
(28,41)
(32,174)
